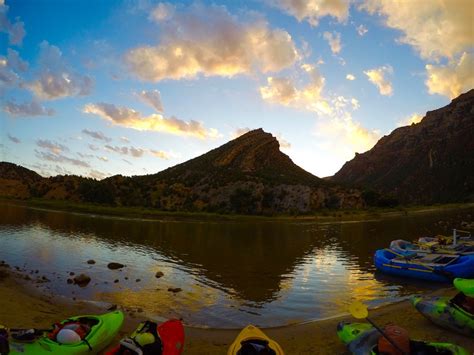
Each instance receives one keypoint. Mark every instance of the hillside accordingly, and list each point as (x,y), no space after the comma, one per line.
(248,175)
(428,162)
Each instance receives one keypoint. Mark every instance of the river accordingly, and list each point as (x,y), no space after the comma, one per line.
(231,273)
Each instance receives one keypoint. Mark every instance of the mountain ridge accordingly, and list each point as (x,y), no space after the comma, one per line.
(247,175)
(428,162)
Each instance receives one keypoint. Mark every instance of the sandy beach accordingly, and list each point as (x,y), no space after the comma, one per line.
(23,306)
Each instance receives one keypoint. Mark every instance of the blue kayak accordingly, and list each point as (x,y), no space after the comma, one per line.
(432,267)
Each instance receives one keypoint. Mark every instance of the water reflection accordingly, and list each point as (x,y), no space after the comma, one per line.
(269,273)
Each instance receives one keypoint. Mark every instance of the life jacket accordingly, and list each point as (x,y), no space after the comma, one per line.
(81,329)
(131,345)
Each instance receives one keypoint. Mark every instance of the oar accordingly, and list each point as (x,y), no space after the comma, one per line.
(360,311)
(444,273)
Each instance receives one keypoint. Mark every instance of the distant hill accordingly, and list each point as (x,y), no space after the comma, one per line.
(428,162)
(248,175)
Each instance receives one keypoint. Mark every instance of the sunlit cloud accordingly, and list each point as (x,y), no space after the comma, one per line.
(435,29)
(313,10)
(362,30)
(350,77)
(378,77)
(27,109)
(452,79)
(130,118)
(160,154)
(152,98)
(55,79)
(413,119)
(208,40)
(239,132)
(15,30)
(96,135)
(284,91)
(103,158)
(13,139)
(53,147)
(334,40)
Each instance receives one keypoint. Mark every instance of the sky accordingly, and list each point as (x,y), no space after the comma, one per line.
(99,88)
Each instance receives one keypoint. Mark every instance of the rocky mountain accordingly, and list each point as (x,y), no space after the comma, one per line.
(428,162)
(248,175)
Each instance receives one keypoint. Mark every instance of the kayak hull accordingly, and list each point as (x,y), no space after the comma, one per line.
(463,267)
(362,339)
(251,332)
(99,337)
(442,312)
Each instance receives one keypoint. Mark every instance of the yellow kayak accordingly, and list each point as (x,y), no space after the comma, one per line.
(252,340)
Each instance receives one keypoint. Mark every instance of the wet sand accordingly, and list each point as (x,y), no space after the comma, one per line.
(23,306)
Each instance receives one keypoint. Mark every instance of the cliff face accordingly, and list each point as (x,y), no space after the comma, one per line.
(248,175)
(428,162)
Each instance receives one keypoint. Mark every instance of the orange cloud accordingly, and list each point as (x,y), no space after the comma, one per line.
(212,42)
(130,118)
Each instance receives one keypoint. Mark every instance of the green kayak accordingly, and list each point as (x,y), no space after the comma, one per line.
(446,312)
(103,330)
(362,339)
(465,286)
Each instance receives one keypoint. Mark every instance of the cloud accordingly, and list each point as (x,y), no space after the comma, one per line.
(435,29)
(334,40)
(97,135)
(125,139)
(15,30)
(209,41)
(13,139)
(97,175)
(27,109)
(103,158)
(313,10)
(284,144)
(130,118)
(152,98)
(239,132)
(452,79)
(342,137)
(160,154)
(14,61)
(350,77)
(413,119)
(162,12)
(93,147)
(55,79)
(377,77)
(9,66)
(53,147)
(59,158)
(362,30)
(284,91)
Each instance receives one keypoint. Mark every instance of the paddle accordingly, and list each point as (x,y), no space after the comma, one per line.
(360,311)
(23,334)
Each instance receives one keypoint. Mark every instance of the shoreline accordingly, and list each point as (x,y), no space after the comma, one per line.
(144,214)
(311,337)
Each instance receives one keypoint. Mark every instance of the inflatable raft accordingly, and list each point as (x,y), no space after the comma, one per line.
(432,267)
